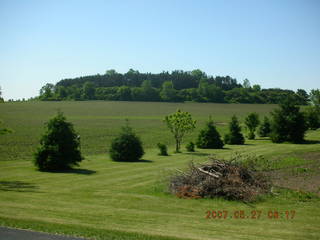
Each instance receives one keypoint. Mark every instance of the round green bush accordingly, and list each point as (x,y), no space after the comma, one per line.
(127,147)
(163,149)
(209,137)
(190,147)
(60,146)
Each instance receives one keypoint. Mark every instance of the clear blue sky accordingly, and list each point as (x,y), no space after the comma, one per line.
(274,43)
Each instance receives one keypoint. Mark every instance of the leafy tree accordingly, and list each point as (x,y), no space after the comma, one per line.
(265,128)
(252,122)
(288,123)
(89,91)
(124,93)
(77,94)
(302,97)
(179,124)
(315,98)
(59,146)
(61,92)
(149,93)
(132,77)
(256,88)
(312,118)
(246,83)
(239,95)
(210,92)
(198,74)
(168,93)
(234,136)
(209,137)
(127,147)
(111,72)
(47,92)
(137,94)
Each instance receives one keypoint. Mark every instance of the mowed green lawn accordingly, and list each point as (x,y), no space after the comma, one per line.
(110,200)
(98,122)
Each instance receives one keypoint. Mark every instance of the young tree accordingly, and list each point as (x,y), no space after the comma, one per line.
(168,93)
(209,137)
(179,124)
(315,98)
(252,122)
(265,128)
(60,146)
(288,123)
(312,117)
(246,83)
(127,147)
(234,136)
(88,91)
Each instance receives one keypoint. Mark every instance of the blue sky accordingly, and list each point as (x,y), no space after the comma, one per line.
(274,43)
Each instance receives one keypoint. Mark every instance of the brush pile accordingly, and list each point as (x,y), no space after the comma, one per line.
(228,179)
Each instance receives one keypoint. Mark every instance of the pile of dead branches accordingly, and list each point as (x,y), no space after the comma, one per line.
(220,178)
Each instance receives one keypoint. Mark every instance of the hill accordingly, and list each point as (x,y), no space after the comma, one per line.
(177,86)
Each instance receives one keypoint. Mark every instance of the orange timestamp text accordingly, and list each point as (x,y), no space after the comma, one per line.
(254,214)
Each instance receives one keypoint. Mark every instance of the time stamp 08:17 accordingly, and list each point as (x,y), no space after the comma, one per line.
(254,214)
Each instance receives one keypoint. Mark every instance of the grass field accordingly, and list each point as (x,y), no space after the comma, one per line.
(108,200)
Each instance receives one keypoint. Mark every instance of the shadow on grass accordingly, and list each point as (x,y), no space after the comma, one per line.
(17,186)
(137,161)
(310,142)
(76,171)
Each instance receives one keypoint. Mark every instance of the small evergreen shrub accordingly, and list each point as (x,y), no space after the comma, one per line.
(127,147)
(234,136)
(265,128)
(209,137)
(163,149)
(60,146)
(288,123)
(190,147)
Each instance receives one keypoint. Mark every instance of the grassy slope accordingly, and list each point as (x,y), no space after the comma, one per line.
(126,200)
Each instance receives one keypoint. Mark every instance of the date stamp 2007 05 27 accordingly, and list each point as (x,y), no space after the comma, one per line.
(254,214)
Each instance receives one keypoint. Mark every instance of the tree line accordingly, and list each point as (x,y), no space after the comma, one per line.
(177,86)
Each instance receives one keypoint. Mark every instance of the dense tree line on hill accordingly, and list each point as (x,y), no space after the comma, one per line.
(177,86)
